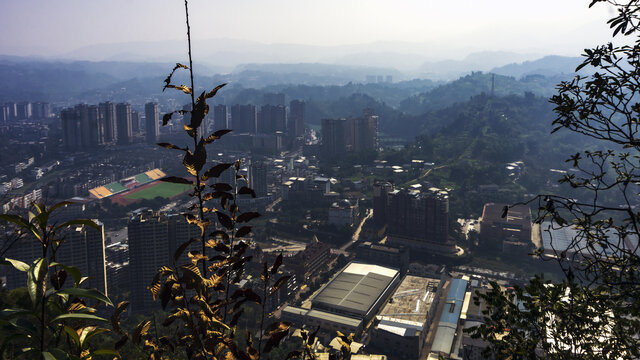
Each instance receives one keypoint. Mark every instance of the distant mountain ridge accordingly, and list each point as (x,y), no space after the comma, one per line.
(464,88)
(547,66)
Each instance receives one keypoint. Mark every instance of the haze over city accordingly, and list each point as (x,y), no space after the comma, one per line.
(348,180)
(329,31)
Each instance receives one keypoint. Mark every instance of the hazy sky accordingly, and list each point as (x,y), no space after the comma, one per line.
(53,28)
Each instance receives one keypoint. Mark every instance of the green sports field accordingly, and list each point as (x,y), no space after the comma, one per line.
(162,189)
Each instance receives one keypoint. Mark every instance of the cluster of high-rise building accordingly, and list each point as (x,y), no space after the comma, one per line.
(86,127)
(24,110)
(270,118)
(349,135)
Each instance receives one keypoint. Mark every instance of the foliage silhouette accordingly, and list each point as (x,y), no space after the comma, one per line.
(595,312)
(56,322)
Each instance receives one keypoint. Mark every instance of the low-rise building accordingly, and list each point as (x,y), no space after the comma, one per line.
(406,318)
(444,342)
(512,233)
(343,213)
(348,301)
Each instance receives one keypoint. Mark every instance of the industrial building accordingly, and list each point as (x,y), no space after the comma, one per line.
(406,318)
(349,300)
(444,341)
(510,234)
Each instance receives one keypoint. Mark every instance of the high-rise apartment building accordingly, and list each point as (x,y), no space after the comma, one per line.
(273,99)
(244,119)
(41,110)
(71,132)
(153,238)
(152,122)
(380,191)
(297,110)
(220,117)
(417,218)
(80,127)
(107,120)
(12,111)
(82,247)
(364,132)
(334,137)
(258,178)
(23,110)
(272,118)
(4,114)
(124,125)
(135,122)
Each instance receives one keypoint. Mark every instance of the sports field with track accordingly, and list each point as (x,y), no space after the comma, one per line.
(162,189)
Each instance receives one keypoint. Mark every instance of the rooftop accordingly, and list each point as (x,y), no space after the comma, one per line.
(412,300)
(356,288)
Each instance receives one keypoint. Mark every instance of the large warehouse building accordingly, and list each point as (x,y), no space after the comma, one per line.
(349,300)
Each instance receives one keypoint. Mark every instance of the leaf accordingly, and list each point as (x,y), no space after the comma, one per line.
(58,279)
(182,248)
(105,352)
(78,316)
(276,264)
(193,162)
(60,204)
(176,180)
(221,187)
(225,220)
(165,294)
(89,332)
(248,294)
(236,317)
(247,191)
(220,246)
(265,272)
(72,334)
(213,92)
(18,265)
(283,280)
(167,81)
(87,293)
(167,117)
(83,222)
(277,327)
(199,112)
(36,279)
(248,216)
(47,356)
(218,234)
(293,354)
(216,170)
(115,317)
(120,343)
(23,223)
(274,340)
(216,135)
(71,270)
(243,231)
(184,88)
(170,146)
(140,331)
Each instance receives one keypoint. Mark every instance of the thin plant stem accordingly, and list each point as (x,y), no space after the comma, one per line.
(195,139)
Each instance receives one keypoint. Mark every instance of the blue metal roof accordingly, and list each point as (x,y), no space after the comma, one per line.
(453,304)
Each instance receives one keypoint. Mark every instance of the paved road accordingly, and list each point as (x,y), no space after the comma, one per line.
(356,234)
(270,207)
